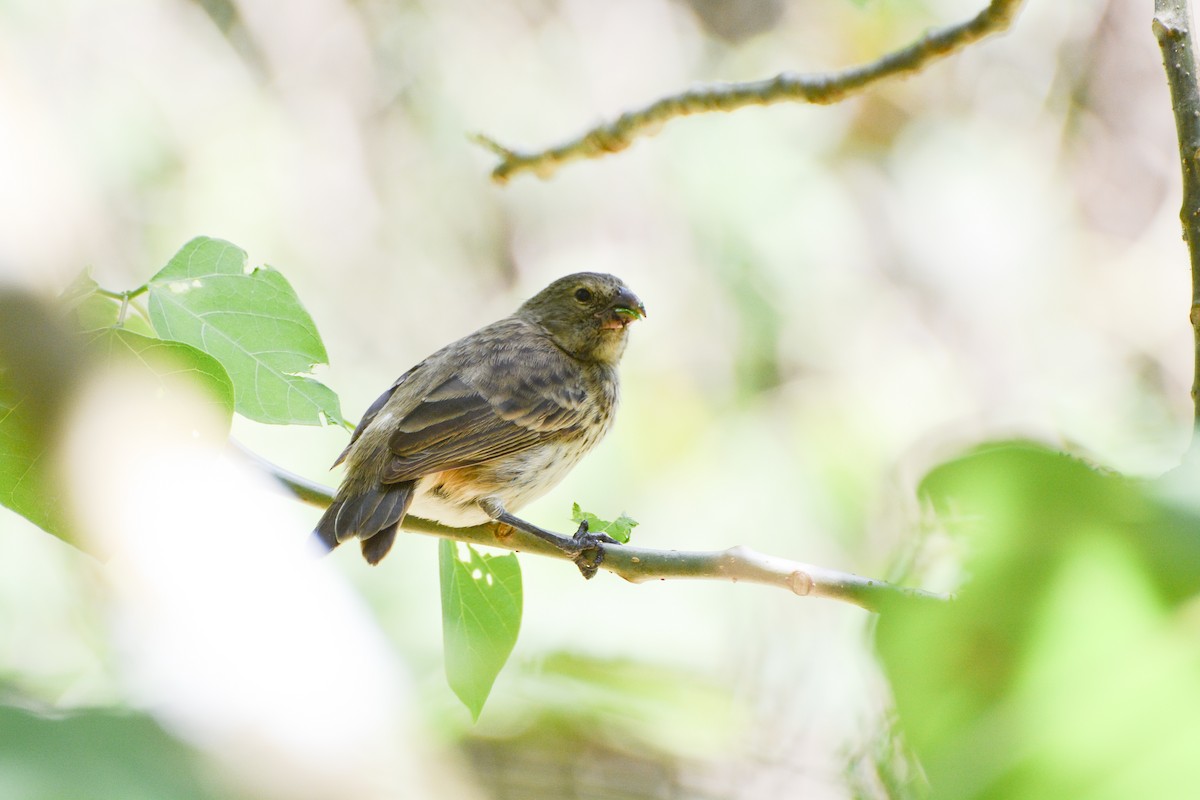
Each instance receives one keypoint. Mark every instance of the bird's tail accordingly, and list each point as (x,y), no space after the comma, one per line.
(372,517)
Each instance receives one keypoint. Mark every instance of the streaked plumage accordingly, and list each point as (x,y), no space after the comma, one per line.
(490,422)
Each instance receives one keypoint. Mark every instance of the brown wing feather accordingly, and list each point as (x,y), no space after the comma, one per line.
(373,411)
(502,404)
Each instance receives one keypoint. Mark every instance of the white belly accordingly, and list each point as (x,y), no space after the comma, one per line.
(430,506)
(516,482)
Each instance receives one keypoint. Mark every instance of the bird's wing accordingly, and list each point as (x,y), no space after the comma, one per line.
(505,399)
(373,411)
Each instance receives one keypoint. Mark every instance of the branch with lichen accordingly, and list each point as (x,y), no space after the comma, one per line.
(641,564)
(1173,29)
(821,88)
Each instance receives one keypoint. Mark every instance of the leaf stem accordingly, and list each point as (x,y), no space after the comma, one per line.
(125,297)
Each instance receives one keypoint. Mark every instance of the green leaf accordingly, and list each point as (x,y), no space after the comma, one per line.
(620,528)
(481,616)
(82,287)
(90,309)
(95,311)
(1080,585)
(251,321)
(26,485)
(96,753)
(166,359)
(40,363)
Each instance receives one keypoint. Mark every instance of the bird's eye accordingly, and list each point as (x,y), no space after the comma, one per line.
(583,295)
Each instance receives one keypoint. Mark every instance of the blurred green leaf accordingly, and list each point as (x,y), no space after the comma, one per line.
(633,704)
(95,311)
(251,321)
(27,436)
(101,755)
(750,292)
(26,485)
(619,528)
(635,729)
(81,286)
(1054,673)
(1112,708)
(90,309)
(41,358)
(481,616)
(167,359)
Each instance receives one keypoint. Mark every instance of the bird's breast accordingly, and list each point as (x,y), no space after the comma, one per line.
(452,496)
(517,479)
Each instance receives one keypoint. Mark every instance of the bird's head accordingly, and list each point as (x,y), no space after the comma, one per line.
(587,315)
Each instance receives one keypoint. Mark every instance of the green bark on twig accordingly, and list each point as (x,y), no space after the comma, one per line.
(640,564)
(1173,29)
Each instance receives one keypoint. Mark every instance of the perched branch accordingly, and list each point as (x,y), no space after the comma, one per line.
(1173,29)
(822,88)
(298,486)
(640,564)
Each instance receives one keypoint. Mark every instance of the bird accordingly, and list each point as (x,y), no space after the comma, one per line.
(490,422)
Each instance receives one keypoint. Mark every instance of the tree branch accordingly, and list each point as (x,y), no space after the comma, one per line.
(1173,29)
(822,88)
(640,564)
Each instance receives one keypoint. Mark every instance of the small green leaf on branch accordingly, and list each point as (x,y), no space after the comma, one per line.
(619,528)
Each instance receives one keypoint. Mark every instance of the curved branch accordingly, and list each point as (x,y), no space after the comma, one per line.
(640,564)
(1173,29)
(822,88)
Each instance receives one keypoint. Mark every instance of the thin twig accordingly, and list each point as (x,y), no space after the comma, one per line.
(640,564)
(1173,29)
(822,88)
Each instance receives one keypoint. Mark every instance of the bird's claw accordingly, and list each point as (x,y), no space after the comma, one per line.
(582,536)
(591,550)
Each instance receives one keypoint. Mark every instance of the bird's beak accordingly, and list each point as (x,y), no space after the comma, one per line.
(625,309)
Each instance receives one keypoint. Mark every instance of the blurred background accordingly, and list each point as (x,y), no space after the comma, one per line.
(839,297)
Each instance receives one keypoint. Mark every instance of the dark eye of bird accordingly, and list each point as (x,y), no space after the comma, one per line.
(583,295)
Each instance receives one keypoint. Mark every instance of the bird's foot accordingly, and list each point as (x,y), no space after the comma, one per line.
(584,548)
(591,550)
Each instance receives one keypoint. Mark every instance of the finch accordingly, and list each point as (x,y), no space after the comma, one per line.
(490,422)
